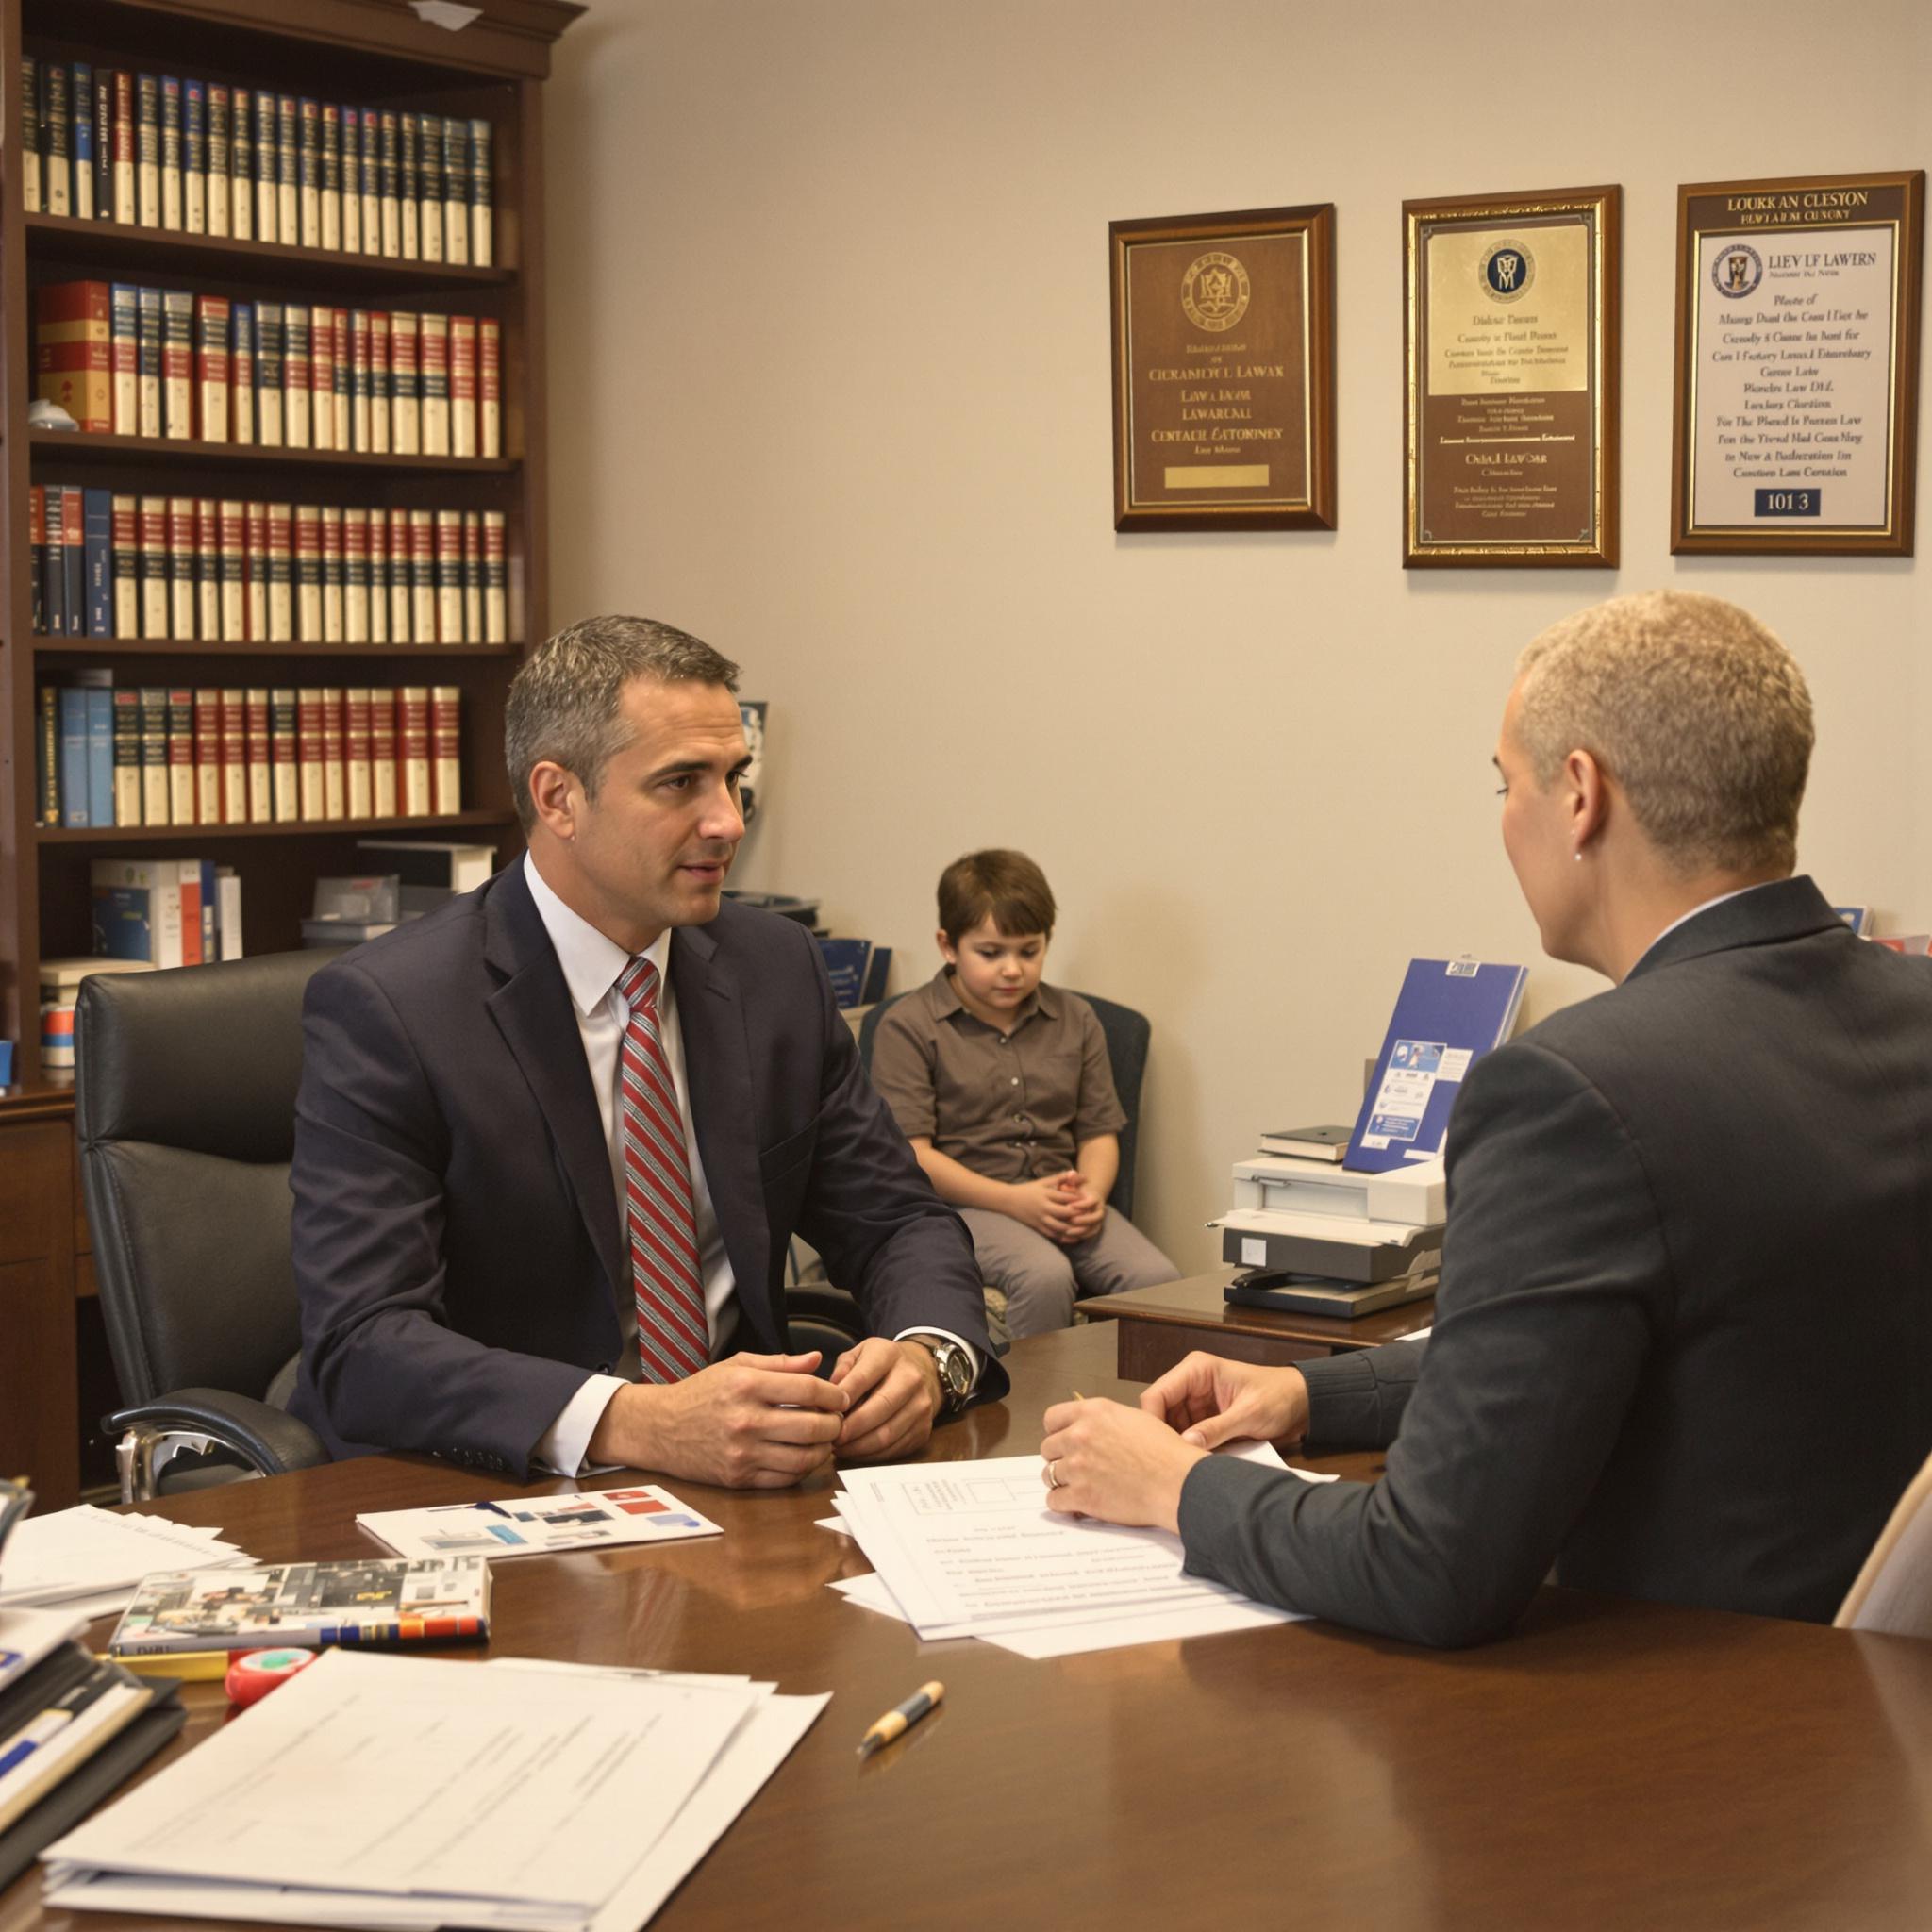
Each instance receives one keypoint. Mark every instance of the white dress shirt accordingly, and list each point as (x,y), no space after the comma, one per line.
(593,965)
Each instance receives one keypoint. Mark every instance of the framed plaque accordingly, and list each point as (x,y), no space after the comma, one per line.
(1510,339)
(1795,426)
(1223,370)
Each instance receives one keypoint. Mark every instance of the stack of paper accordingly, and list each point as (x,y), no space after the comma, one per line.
(413,1793)
(88,1560)
(970,1549)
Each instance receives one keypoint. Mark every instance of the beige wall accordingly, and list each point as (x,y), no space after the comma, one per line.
(829,307)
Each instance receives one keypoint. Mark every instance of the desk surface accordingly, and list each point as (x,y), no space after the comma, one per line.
(1613,1765)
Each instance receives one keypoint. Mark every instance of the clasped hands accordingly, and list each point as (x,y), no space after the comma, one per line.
(1063,1206)
(765,1421)
(1127,1465)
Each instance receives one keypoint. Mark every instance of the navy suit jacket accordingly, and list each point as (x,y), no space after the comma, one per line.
(457,1245)
(1683,1342)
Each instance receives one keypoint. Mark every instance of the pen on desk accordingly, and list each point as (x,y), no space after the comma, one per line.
(188,1666)
(896,1723)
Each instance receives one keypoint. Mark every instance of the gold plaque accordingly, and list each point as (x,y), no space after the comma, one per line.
(1223,370)
(1511,412)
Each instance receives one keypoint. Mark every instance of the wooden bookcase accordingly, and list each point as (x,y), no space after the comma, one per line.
(370,53)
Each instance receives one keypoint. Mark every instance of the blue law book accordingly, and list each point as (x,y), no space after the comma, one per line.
(73,786)
(97,534)
(1449,1013)
(100,755)
(82,110)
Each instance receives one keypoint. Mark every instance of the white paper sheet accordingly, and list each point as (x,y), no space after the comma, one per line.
(91,1559)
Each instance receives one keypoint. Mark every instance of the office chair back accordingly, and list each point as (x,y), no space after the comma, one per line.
(185,1099)
(1127,1033)
(1894,1592)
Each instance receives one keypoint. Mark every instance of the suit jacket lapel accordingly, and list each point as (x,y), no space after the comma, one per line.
(532,1009)
(718,1078)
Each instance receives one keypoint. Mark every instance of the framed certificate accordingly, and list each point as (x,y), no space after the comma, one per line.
(1511,348)
(1223,370)
(1795,428)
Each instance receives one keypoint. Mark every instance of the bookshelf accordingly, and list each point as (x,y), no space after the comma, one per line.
(370,53)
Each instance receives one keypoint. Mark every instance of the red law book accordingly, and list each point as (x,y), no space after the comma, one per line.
(207,757)
(234,758)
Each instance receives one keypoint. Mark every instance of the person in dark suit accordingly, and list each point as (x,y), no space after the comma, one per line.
(1683,1344)
(551,1140)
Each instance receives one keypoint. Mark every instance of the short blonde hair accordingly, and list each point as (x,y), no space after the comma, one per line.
(1693,706)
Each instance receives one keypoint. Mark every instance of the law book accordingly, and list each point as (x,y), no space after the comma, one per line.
(36,557)
(241,372)
(281,572)
(234,538)
(449,577)
(182,559)
(374,234)
(329,165)
(357,752)
(284,766)
(289,169)
(104,144)
(463,385)
(455,135)
(359,1599)
(136,912)
(32,182)
(482,238)
(207,569)
(401,573)
(380,383)
(308,750)
(82,108)
(207,757)
(194,157)
(197,919)
(171,151)
(309,574)
(429,187)
(56,132)
(359,381)
(123,357)
(423,575)
(157,790)
(1308,1143)
(73,557)
(125,203)
(472,577)
(219,194)
(341,378)
(382,753)
(495,579)
(332,585)
(97,564)
(149,326)
(124,565)
(73,351)
(47,756)
(234,747)
(256,725)
(297,375)
(152,523)
(445,748)
(257,572)
(409,187)
(74,801)
(414,783)
(147,150)
(268,170)
(240,182)
(349,178)
(177,364)
(1448,1014)
(489,388)
(308,170)
(321,375)
(354,576)
(378,577)
(389,184)
(271,340)
(126,739)
(212,322)
(406,417)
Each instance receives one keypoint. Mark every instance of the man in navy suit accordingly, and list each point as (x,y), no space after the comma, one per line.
(553,1140)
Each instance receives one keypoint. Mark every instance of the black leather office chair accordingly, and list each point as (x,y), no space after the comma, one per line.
(185,1098)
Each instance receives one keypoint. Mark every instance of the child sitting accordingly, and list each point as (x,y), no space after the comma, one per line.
(1003,1085)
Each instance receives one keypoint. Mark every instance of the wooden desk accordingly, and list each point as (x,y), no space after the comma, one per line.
(1613,1765)
(1158,1325)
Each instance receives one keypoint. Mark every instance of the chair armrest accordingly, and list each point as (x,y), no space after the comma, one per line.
(268,1440)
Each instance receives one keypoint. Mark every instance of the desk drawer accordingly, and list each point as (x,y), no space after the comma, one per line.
(35,1166)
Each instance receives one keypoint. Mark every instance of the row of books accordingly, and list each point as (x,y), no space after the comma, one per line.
(202,570)
(170,756)
(204,159)
(127,360)
(160,912)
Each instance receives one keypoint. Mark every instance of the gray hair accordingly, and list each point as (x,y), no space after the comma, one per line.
(1693,706)
(564,701)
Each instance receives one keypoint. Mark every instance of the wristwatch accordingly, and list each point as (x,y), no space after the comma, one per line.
(956,1373)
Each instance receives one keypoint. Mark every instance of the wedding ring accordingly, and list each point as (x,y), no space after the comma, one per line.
(1053,1473)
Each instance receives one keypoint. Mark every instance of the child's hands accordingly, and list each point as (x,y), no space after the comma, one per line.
(1045,1207)
(1086,1208)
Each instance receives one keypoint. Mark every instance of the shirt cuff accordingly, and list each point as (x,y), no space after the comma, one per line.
(564,1447)
(947,1335)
